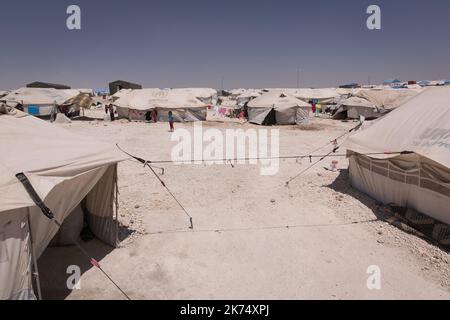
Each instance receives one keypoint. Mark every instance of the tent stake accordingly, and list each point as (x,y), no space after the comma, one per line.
(35,270)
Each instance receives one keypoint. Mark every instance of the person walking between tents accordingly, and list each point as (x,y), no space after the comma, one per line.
(111,112)
(155,115)
(171,121)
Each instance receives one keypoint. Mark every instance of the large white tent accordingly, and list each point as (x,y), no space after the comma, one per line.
(73,175)
(41,101)
(419,180)
(373,103)
(136,105)
(277,108)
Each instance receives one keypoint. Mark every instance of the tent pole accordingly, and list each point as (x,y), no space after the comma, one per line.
(116,187)
(35,270)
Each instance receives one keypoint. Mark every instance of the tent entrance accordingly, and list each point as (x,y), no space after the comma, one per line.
(270,119)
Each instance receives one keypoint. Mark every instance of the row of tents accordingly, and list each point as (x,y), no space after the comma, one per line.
(262,106)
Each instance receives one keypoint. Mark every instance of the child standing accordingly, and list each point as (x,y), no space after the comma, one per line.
(171,121)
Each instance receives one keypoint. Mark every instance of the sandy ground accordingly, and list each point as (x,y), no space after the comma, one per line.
(254,237)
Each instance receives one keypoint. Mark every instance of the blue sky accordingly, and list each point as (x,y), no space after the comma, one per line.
(192,43)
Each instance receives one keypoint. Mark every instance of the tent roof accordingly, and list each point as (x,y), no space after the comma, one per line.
(146,99)
(387,98)
(357,102)
(308,94)
(278,100)
(421,125)
(40,96)
(197,92)
(48,154)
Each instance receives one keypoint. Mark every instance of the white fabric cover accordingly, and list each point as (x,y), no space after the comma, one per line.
(421,180)
(387,98)
(64,169)
(40,96)
(185,106)
(285,106)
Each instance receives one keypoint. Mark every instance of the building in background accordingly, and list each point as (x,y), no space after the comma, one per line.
(350,86)
(46,85)
(118,85)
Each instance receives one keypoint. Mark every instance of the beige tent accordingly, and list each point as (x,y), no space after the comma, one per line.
(75,176)
(420,180)
(136,105)
(372,103)
(42,101)
(277,108)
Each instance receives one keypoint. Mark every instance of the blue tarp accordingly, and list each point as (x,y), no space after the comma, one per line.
(33,110)
(390,81)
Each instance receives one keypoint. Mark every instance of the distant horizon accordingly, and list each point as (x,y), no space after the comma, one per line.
(218,89)
(204,43)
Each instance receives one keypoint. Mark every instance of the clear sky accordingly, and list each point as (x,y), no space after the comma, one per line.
(251,43)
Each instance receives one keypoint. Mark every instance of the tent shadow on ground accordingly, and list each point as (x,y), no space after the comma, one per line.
(85,119)
(54,262)
(382,212)
(342,185)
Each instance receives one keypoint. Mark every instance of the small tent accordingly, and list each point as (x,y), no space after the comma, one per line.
(277,108)
(75,176)
(418,179)
(354,107)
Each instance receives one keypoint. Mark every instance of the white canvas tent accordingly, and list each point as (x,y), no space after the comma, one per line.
(354,107)
(68,172)
(373,103)
(41,101)
(421,180)
(247,96)
(277,108)
(136,104)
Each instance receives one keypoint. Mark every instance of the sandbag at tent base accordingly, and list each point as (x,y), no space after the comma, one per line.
(417,223)
(410,181)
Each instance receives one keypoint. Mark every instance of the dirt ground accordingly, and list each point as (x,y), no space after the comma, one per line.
(254,238)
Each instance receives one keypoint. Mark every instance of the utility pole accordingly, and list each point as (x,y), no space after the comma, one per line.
(222,81)
(369,81)
(298,78)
